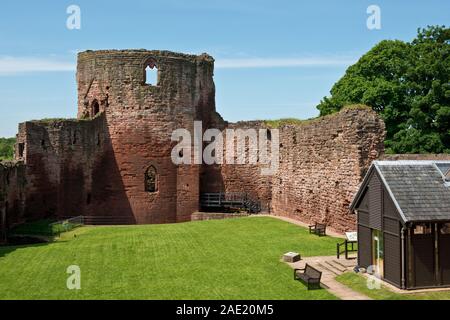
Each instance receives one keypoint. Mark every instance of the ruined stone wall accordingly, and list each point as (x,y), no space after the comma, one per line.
(248,177)
(322,163)
(64,166)
(12,192)
(415,156)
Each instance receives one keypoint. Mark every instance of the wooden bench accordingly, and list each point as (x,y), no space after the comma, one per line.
(318,228)
(308,275)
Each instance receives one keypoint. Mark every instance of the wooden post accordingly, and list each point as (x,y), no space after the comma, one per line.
(410,259)
(436,255)
(346,249)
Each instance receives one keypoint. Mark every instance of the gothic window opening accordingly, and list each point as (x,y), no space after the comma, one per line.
(151,73)
(95,108)
(151,180)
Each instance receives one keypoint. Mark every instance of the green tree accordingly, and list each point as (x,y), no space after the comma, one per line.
(408,84)
(7,148)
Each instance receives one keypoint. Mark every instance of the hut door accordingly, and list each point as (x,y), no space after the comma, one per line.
(444,252)
(378,252)
(422,241)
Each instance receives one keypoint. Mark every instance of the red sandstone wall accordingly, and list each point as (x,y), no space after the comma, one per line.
(64,166)
(247,177)
(413,156)
(12,186)
(322,163)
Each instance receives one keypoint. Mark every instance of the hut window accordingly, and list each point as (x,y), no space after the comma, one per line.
(151,179)
(424,228)
(151,73)
(445,228)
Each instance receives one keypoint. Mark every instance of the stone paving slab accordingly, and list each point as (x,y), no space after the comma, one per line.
(328,280)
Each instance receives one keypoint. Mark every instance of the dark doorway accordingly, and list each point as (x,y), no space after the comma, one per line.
(422,241)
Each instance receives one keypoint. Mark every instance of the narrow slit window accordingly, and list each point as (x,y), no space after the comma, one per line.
(21,149)
(269,135)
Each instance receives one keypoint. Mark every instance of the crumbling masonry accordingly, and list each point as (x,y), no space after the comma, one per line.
(113,163)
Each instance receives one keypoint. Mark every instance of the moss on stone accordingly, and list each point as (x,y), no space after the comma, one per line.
(277,123)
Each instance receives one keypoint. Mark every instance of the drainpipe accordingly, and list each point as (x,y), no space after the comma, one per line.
(403,285)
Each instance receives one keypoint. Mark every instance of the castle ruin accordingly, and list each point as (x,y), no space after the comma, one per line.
(113,163)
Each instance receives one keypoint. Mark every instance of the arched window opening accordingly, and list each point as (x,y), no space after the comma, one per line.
(151,180)
(151,73)
(95,108)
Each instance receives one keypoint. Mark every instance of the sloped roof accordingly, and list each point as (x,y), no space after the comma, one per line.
(418,188)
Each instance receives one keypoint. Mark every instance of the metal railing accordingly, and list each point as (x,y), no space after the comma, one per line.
(346,249)
(236,200)
(65,225)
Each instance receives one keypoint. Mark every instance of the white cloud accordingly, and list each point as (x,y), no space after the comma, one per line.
(284,62)
(18,65)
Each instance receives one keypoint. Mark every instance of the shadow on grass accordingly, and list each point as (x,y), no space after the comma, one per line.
(32,234)
(7,249)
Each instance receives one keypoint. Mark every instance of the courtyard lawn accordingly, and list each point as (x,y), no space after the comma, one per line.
(217,259)
(359,284)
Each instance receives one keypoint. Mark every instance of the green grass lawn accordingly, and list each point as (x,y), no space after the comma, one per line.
(217,259)
(359,283)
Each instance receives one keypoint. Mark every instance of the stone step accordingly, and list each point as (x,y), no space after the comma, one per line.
(321,266)
(336,266)
(342,264)
(346,263)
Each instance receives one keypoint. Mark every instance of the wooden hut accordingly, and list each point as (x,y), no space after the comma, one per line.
(403,210)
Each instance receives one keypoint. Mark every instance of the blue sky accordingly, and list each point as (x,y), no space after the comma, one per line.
(273,58)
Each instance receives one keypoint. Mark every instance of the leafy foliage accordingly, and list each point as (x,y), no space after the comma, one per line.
(408,84)
(7,148)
